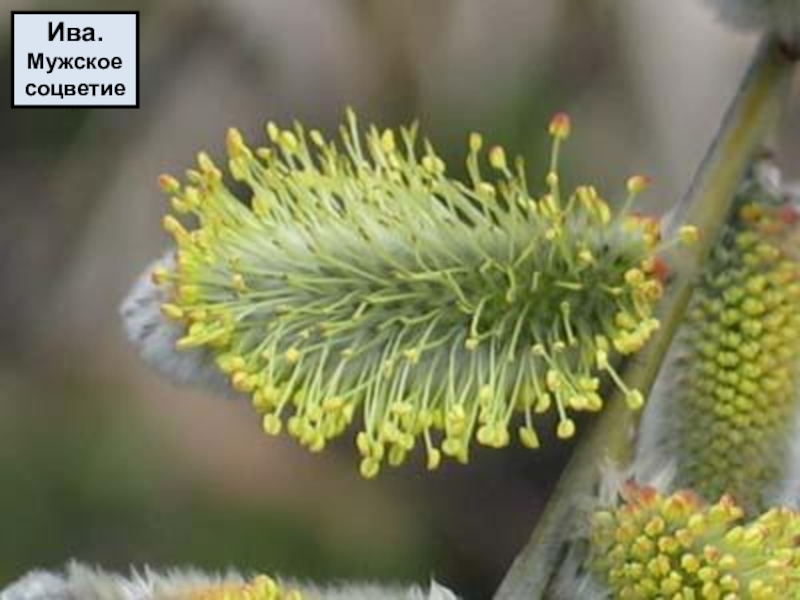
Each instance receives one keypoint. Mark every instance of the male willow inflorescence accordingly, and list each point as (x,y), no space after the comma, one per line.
(261,587)
(357,281)
(727,413)
(676,546)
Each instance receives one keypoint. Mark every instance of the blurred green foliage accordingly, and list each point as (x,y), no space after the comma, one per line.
(83,479)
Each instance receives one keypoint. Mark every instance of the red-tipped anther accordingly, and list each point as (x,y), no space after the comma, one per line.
(789,214)
(650,224)
(638,183)
(660,269)
(560,126)
(169,184)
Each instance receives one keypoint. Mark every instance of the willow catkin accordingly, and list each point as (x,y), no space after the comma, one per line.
(357,281)
(725,411)
(655,545)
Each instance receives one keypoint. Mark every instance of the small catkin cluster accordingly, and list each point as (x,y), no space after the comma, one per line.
(357,281)
(737,383)
(80,582)
(678,547)
(260,587)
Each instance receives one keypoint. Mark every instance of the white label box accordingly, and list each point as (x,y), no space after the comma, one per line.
(75,58)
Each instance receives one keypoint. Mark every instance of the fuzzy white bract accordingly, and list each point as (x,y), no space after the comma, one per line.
(780,16)
(79,582)
(155,337)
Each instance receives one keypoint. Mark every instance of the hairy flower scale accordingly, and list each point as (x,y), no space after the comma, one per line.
(677,547)
(359,282)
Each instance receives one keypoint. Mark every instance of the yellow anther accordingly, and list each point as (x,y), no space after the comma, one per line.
(635,277)
(243,382)
(688,234)
(553,380)
(160,275)
(452,446)
(288,141)
(173,311)
(432,164)
(273,132)
(333,404)
(634,399)
(586,257)
(387,141)
(637,184)
(317,138)
(543,403)
(485,435)
(174,227)
(486,394)
(292,356)
(272,424)
(369,468)
(235,143)
(565,429)
(434,459)
(412,355)
(475,142)
(528,437)
(238,282)
(497,158)
(487,189)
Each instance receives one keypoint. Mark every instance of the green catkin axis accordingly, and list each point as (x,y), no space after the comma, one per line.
(736,394)
(359,282)
(676,546)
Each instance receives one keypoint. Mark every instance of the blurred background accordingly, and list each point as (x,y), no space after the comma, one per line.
(102,461)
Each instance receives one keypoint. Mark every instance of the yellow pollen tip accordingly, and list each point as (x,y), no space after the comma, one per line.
(387,141)
(565,429)
(497,158)
(434,459)
(475,142)
(173,312)
(688,234)
(174,227)
(638,183)
(169,184)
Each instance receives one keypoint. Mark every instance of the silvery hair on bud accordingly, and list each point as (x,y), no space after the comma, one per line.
(154,336)
(781,16)
(80,582)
